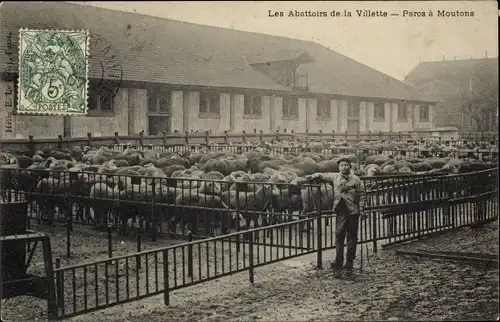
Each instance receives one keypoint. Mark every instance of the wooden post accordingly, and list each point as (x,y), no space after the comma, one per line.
(164,138)
(117,138)
(141,138)
(60,142)
(31,145)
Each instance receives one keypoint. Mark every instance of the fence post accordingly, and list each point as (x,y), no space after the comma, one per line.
(166,277)
(138,236)
(89,139)
(153,213)
(226,138)
(164,138)
(207,137)
(190,255)
(250,257)
(59,288)
(373,214)
(141,138)
(237,218)
(319,233)
(187,137)
(117,138)
(31,145)
(60,142)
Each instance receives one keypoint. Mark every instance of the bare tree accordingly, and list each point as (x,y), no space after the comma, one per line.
(479,102)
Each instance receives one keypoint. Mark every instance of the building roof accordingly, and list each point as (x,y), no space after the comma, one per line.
(158,50)
(457,71)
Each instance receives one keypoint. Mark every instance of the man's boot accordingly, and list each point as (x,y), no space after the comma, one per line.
(337,269)
(349,267)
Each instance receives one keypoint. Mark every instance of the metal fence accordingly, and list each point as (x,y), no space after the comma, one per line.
(174,141)
(399,209)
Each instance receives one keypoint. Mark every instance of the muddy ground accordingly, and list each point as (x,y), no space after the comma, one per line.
(390,287)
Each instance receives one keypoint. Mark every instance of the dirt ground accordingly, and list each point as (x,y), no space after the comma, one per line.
(390,287)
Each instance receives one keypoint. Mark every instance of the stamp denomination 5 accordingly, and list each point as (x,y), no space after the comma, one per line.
(53,72)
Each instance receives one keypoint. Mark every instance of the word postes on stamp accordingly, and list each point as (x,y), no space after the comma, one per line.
(53,72)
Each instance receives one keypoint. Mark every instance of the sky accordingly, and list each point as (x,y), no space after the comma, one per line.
(393,45)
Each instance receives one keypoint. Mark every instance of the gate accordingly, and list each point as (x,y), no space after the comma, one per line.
(101,284)
(405,208)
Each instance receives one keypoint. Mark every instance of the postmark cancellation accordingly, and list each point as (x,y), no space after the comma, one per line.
(53,72)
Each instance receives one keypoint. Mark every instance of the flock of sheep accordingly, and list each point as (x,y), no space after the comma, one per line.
(219,190)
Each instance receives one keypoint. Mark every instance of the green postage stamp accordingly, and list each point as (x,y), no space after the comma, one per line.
(53,72)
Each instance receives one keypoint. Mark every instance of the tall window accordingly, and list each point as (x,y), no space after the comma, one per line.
(323,108)
(424,112)
(158,101)
(158,111)
(290,106)
(402,112)
(379,111)
(209,103)
(253,105)
(353,109)
(100,97)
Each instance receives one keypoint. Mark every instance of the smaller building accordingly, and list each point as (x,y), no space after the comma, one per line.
(467,92)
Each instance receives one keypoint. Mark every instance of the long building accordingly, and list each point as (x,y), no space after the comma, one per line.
(165,75)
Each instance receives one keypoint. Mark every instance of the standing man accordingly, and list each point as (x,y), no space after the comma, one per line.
(348,204)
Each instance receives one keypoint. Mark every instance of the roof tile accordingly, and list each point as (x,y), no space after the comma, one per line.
(152,49)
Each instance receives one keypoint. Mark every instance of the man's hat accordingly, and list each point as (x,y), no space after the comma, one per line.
(347,160)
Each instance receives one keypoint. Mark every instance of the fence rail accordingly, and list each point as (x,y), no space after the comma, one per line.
(398,209)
